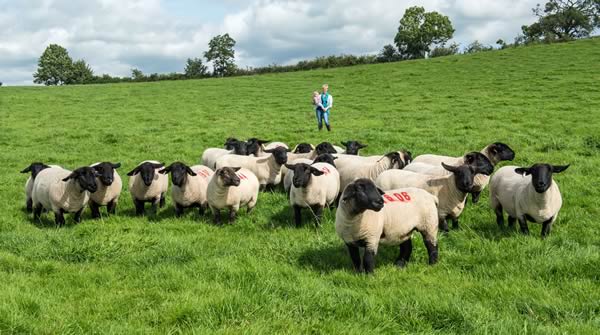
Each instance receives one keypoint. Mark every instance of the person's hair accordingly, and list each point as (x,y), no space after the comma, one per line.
(325,85)
(316,93)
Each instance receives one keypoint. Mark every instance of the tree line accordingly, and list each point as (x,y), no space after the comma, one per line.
(421,34)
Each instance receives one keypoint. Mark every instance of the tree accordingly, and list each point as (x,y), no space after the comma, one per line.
(477,46)
(501,44)
(419,30)
(54,66)
(81,73)
(443,50)
(221,53)
(194,68)
(388,54)
(563,20)
(137,75)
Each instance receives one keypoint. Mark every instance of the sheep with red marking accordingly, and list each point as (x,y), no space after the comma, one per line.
(368,216)
(232,188)
(190,185)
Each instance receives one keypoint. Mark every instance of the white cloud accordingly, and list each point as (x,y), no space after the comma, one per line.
(117,35)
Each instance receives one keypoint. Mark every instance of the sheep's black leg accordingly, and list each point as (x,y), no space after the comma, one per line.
(546,226)
(59,218)
(511,222)
(405,252)
(77,216)
(217,216)
(232,214)
(178,210)
(369,260)
(37,211)
(155,205)
(432,251)
(475,197)
(500,215)
(318,213)
(139,207)
(95,208)
(111,207)
(443,224)
(523,225)
(161,202)
(200,210)
(354,256)
(29,205)
(455,223)
(298,216)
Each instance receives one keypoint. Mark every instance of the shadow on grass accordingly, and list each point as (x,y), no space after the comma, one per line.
(326,259)
(284,218)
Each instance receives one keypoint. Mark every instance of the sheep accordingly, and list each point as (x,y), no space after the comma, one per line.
(368,216)
(314,186)
(326,148)
(62,191)
(109,188)
(353,167)
(210,156)
(254,147)
(34,168)
(303,148)
(323,158)
(451,189)
(189,186)
(232,187)
(495,152)
(147,185)
(267,169)
(526,194)
(352,147)
(274,145)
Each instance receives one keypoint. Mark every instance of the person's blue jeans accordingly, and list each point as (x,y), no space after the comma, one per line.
(322,116)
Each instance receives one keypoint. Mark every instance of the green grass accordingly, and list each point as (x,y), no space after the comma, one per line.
(134,275)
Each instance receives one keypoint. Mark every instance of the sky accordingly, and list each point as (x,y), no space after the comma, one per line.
(115,36)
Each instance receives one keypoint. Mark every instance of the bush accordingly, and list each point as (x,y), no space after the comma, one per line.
(444,51)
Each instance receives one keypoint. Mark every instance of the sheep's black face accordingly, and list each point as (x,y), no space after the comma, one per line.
(35,168)
(463,176)
(253,146)
(106,172)
(479,162)
(352,147)
(396,160)
(407,157)
(228,176)
(325,148)
(229,143)
(302,174)
(501,152)
(541,175)
(179,172)
(365,195)
(280,155)
(86,177)
(303,148)
(325,158)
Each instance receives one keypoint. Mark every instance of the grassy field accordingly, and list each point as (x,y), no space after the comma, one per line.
(164,275)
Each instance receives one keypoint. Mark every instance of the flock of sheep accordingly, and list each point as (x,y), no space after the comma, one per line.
(379,199)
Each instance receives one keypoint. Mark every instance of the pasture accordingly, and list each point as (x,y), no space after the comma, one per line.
(160,274)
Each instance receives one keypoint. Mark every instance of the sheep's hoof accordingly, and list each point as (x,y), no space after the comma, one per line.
(401,263)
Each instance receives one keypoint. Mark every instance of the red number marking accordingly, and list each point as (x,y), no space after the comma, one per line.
(325,170)
(242,176)
(204,173)
(402,197)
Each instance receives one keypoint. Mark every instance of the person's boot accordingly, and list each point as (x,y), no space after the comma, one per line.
(328,127)
(320,127)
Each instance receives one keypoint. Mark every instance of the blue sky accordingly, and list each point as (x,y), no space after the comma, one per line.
(114,36)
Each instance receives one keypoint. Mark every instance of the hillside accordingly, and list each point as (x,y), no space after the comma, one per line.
(156,275)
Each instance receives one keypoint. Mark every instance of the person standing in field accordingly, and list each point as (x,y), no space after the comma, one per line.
(323,103)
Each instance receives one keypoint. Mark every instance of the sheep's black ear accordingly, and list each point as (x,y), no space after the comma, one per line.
(469,158)
(262,141)
(116,165)
(134,171)
(269,151)
(559,168)
(290,166)
(349,193)
(316,171)
(380,191)
(522,171)
(362,146)
(449,167)
(288,149)
(71,176)
(190,171)
(156,166)
(334,158)
(344,143)
(26,170)
(236,169)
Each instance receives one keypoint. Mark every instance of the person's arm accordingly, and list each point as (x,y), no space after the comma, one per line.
(329,102)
